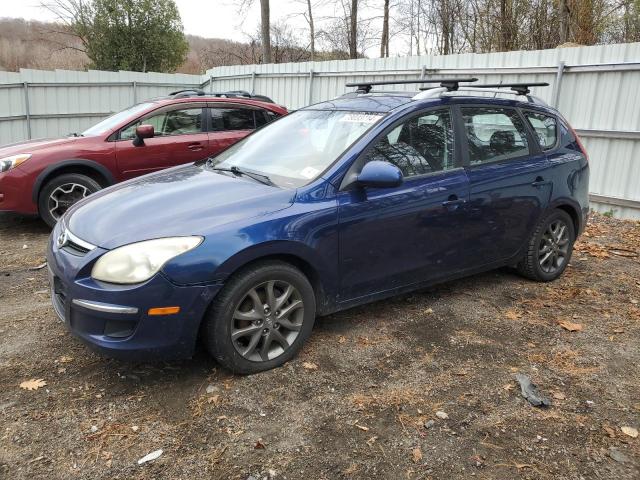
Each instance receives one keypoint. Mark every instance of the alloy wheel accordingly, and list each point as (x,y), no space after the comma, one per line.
(554,247)
(267,320)
(62,197)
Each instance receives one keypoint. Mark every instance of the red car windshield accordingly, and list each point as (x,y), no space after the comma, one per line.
(116,119)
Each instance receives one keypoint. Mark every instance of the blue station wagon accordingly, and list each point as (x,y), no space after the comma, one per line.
(337,204)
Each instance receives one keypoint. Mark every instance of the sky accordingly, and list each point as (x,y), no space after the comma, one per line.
(205,18)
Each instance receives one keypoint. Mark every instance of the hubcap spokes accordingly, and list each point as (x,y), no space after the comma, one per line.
(267,321)
(554,247)
(64,196)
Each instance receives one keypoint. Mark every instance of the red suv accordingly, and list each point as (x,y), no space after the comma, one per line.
(47,176)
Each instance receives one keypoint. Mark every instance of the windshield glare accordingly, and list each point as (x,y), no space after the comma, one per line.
(114,120)
(297,148)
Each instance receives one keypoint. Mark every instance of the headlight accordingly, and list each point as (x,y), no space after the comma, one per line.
(140,261)
(7,163)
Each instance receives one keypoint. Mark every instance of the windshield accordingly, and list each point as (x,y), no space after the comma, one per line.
(114,120)
(297,148)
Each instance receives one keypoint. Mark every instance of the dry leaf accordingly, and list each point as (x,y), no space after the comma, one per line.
(33,384)
(610,431)
(215,399)
(428,311)
(630,431)
(362,427)
(511,315)
(417,455)
(372,440)
(559,395)
(342,339)
(310,365)
(259,445)
(353,468)
(65,359)
(570,326)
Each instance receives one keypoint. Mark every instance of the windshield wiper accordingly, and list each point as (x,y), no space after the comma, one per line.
(238,171)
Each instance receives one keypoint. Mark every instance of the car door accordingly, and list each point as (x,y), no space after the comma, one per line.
(180,137)
(508,178)
(230,123)
(394,237)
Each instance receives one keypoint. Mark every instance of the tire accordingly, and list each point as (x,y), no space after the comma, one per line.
(256,321)
(549,253)
(61,192)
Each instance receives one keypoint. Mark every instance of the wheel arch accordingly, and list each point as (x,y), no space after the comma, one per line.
(573,210)
(92,169)
(296,254)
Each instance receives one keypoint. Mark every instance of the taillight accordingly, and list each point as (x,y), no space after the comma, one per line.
(579,142)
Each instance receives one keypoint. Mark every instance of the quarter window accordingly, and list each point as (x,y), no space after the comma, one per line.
(173,122)
(545,128)
(421,145)
(494,134)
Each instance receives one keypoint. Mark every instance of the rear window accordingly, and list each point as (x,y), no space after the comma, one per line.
(545,127)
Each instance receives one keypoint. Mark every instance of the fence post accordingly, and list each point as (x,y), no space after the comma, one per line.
(558,84)
(423,74)
(253,82)
(134,85)
(27,109)
(211,84)
(310,91)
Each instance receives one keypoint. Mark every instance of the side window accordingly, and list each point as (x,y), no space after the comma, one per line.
(421,145)
(225,119)
(494,134)
(545,128)
(173,122)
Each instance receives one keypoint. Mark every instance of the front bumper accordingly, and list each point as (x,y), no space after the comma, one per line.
(15,192)
(113,319)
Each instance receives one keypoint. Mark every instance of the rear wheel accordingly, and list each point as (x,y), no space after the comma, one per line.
(549,248)
(261,318)
(61,192)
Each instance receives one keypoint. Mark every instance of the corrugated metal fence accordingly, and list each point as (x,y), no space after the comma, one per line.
(37,103)
(597,88)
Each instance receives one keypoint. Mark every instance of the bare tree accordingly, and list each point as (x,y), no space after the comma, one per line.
(384,40)
(353,30)
(265,25)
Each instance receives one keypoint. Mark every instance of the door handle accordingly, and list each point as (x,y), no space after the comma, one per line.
(195,147)
(453,201)
(539,182)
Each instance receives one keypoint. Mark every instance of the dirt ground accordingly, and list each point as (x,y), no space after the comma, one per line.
(361,399)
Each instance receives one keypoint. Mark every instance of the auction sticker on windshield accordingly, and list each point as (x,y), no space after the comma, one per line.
(360,118)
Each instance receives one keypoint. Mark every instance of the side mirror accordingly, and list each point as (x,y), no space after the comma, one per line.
(142,132)
(379,174)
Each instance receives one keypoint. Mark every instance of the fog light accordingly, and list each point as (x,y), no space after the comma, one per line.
(163,310)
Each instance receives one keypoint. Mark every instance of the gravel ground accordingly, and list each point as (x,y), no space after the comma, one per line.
(420,386)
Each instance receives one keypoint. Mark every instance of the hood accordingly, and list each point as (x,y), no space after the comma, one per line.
(186,200)
(32,146)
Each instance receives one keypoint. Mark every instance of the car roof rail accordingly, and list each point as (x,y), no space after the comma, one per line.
(517,89)
(450,84)
(189,92)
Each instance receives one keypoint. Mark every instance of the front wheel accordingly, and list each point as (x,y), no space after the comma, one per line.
(549,248)
(57,196)
(261,318)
